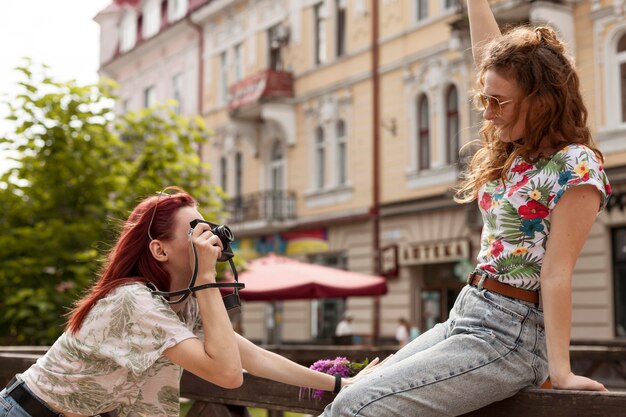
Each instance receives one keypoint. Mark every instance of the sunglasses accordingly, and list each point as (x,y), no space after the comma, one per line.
(486,100)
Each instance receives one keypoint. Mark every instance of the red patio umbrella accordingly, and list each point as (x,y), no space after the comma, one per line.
(274,277)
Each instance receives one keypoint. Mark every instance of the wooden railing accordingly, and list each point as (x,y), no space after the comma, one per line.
(211,400)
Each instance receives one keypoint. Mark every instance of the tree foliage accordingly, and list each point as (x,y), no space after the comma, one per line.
(79,170)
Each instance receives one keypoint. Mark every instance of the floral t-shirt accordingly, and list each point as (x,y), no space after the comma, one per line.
(516,214)
(115,360)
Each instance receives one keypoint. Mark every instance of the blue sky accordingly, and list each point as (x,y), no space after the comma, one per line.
(59,33)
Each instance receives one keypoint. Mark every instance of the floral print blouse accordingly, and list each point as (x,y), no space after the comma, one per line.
(115,360)
(516,213)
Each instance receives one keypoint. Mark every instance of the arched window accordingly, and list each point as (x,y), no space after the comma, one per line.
(277,168)
(320,158)
(621,62)
(423,133)
(452,125)
(341,152)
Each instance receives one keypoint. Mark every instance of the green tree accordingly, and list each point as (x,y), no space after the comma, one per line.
(79,171)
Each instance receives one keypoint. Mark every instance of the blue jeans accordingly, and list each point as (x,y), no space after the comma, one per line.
(490,348)
(8,406)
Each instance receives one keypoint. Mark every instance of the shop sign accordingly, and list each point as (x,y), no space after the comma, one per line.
(389,261)
(434,252)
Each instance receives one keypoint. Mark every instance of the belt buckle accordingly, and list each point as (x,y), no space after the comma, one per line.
(483,276)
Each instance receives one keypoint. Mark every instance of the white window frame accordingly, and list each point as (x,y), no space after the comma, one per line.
(176,9)
(319,158)
(341,36)
(611,135)
(238,61)
(341,158)
(149,96)
(447,134)
(417,8)
(421,98)
(223,85)
(129,31)
(613,83)
(151,18)
(438,173)
(177,90)
(320,38)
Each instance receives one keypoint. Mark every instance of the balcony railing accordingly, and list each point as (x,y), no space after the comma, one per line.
(267,84)
(279,205)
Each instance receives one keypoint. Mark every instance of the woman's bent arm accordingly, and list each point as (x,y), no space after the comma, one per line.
(483,27)
(217,360)
(571,222)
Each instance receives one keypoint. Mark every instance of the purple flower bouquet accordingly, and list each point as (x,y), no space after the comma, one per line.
(339,365)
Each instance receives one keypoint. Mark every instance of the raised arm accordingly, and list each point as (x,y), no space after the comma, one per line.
(579,207)
(483,27)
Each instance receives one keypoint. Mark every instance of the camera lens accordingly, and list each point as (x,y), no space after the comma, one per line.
(224,233)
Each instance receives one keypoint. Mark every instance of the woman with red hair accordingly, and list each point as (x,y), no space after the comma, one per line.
(124,346)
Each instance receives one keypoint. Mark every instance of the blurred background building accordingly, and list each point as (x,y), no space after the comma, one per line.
(338,125)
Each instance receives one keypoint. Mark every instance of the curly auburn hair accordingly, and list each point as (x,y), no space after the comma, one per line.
(535,59)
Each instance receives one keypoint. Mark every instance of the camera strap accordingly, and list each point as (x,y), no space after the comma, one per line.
(231,301)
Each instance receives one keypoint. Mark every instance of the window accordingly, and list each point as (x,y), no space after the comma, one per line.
(341,27)
(452,126)
(278,207)
(273,48)
(223,78)
(422,9)
(619,280)
(438,292)
(450,4)
(176,9)
(423,133)
(320,158)
(238,62)
(224,174)
(327,312)
(277,168)
(320,34)
(238,174)
(340,135)
(129,31)
(151,18)
(149,96)
(177,91)
(621,60)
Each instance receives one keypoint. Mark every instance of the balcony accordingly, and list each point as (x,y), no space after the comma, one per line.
(262,206)
(265,86)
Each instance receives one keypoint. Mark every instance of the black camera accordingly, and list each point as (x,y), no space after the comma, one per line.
(225,235)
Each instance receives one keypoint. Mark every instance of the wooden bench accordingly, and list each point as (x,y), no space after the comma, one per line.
(211,400)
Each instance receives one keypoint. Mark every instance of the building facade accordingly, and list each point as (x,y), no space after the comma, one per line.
(338,128)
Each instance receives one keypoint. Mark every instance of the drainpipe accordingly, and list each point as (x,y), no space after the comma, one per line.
(375,210)
(200,105)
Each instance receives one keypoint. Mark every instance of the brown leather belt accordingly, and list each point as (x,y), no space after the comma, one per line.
(503,289)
